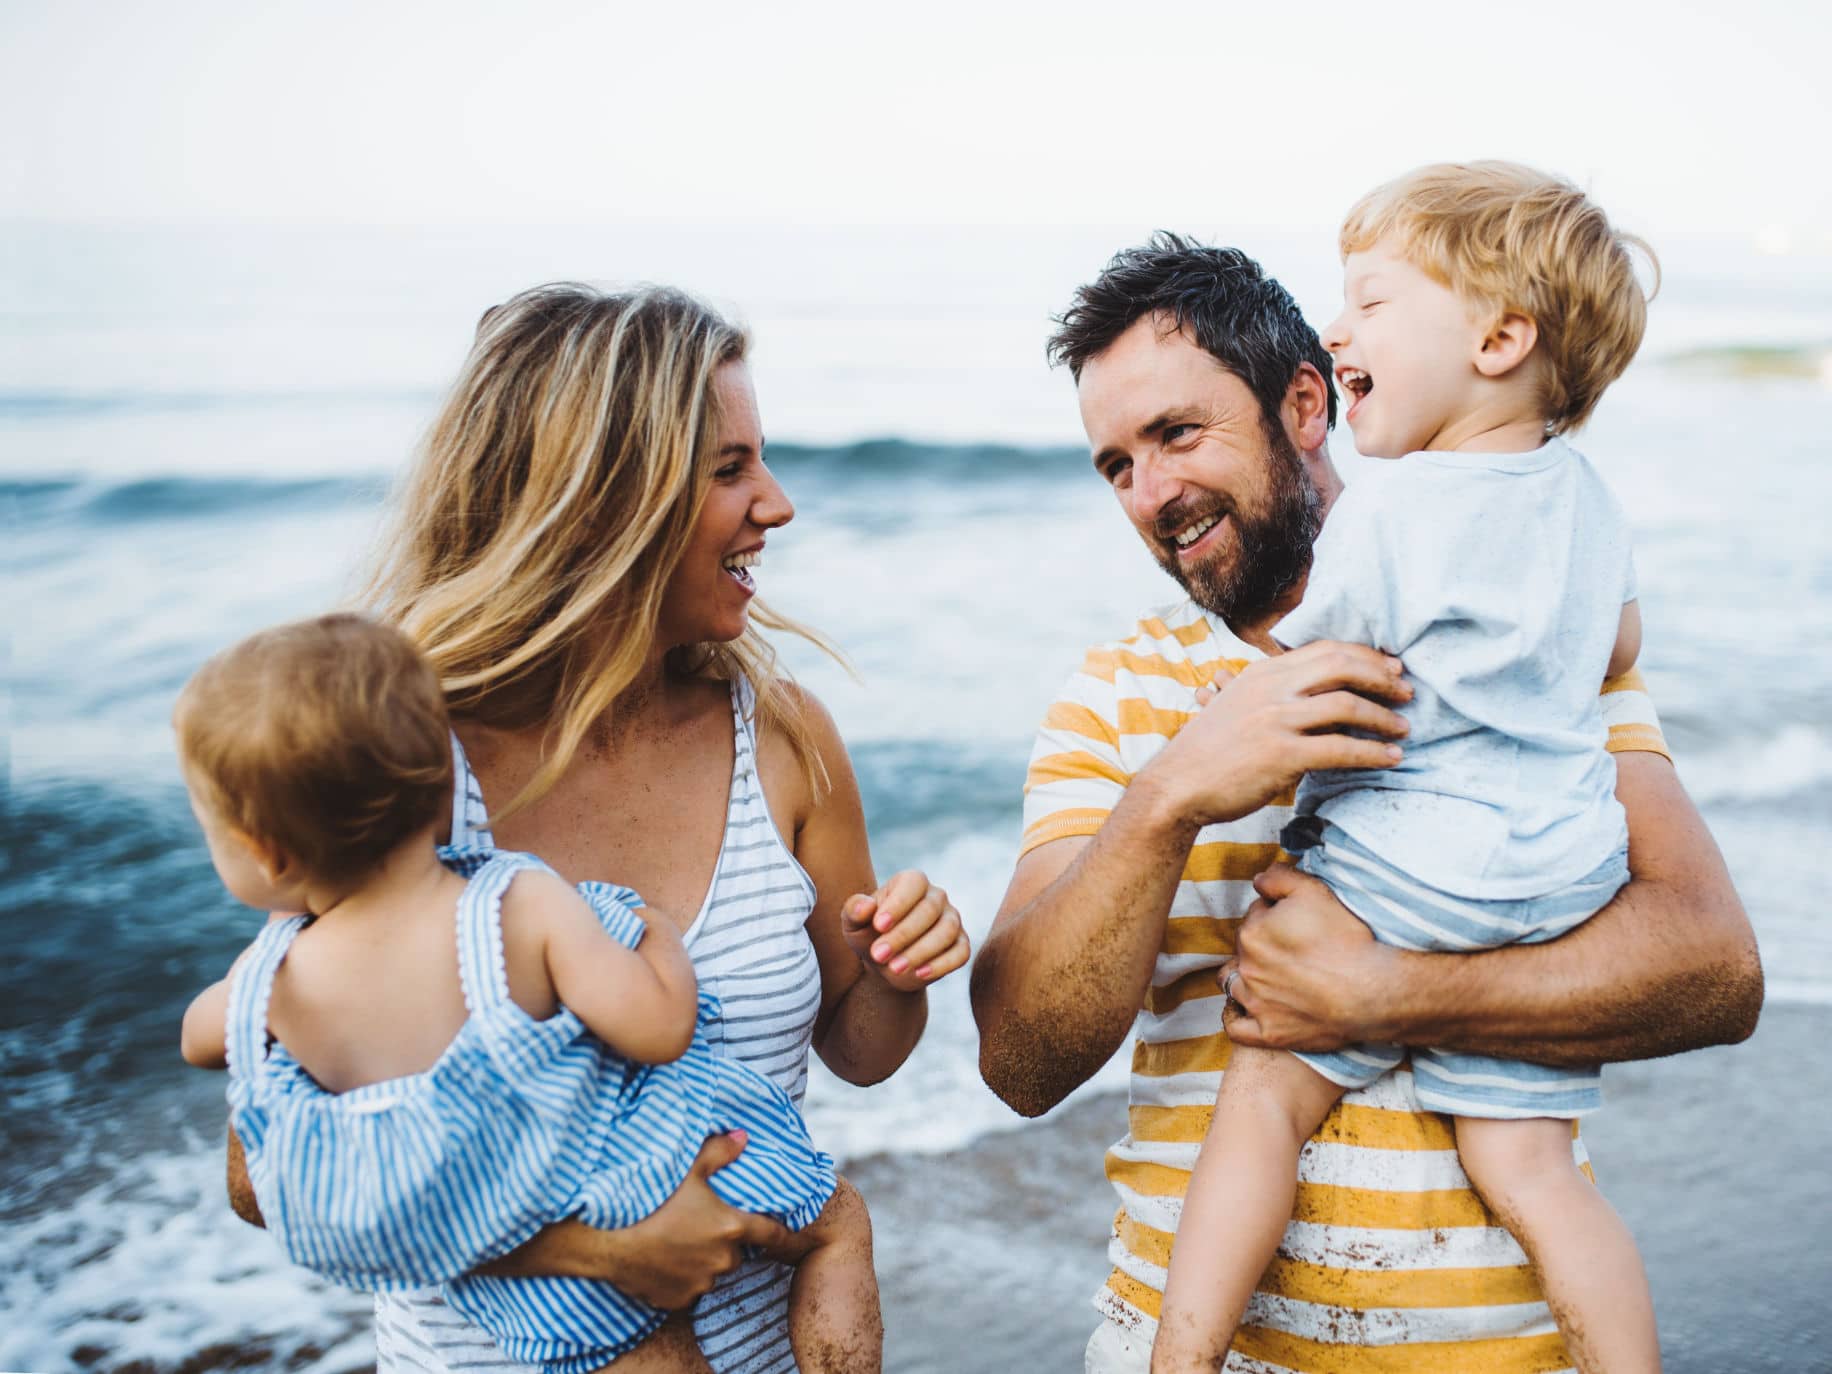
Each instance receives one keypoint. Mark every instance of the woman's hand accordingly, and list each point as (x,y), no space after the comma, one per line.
(670,1258)
(907,932)
(1306,975)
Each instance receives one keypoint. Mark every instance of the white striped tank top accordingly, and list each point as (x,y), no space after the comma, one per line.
(750,947)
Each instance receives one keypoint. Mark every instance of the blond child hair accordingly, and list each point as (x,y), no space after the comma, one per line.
(1506,237)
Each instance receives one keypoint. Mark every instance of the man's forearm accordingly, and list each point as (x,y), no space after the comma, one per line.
(1669,965)
(1061,976)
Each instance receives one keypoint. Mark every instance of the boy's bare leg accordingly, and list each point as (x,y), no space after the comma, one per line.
(1585,1256)
(835,1326)
(671,1350)
(1238,1204)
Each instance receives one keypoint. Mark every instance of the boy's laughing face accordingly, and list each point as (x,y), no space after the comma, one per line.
(1405,347)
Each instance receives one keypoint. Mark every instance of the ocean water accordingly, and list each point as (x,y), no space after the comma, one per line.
(197,429)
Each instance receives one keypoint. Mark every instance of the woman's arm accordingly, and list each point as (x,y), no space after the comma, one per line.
(879,947)
(1669,965)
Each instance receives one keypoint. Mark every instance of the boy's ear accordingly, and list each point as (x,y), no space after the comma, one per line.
(1507,344)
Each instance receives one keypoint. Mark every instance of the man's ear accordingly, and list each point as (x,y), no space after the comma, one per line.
(1305,413)
(1507,344)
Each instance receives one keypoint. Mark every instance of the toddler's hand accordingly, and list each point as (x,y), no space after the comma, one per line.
(907,932)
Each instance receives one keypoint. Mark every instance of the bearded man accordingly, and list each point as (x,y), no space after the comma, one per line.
(1207,403)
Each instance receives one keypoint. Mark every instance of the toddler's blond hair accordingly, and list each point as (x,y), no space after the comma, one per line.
(1509,238)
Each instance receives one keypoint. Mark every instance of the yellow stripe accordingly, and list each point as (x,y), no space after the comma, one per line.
(1139,717)
(1631,681)
(1193,633)
(1191,987)
(1079,720)
(1635,737)
(1200,935)
(1224,860)
(1349,1123)
(1516,1355)
(1203,1054)
(1106,665)
(1072,822)
(1329,1204)
(1075,766)
(1360,1289)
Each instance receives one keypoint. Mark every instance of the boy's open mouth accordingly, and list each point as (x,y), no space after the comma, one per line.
(1357,383)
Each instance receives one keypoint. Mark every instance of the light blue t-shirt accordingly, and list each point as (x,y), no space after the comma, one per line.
(1499,579)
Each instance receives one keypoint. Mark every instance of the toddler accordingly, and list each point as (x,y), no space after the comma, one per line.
(1486,309)
(452,1048)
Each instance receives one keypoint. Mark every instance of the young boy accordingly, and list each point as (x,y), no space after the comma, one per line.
(1486,308)
(454,1048)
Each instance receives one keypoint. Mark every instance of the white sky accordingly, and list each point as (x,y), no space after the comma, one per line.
(1680,117)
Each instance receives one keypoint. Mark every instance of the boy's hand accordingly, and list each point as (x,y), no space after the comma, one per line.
(907,932)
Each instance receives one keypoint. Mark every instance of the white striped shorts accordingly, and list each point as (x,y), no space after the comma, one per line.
(1405,912)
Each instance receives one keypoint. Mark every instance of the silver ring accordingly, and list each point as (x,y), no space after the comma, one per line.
(1227,986)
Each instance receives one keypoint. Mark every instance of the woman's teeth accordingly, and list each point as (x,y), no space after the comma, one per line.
(1195,531)
(740,564)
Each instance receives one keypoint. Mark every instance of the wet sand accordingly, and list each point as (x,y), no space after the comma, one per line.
(1717,1160)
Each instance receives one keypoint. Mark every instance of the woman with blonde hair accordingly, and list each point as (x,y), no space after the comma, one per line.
(575,553)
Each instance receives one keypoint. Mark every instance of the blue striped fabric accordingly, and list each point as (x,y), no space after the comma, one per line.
(520,1123)
(1402,911)
(754,953)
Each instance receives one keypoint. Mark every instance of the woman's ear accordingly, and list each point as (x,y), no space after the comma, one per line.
(1507,344)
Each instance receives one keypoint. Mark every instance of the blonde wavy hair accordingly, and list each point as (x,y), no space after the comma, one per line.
(533,538)
(1508,238)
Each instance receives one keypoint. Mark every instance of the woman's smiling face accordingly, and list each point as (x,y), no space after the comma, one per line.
(708,598)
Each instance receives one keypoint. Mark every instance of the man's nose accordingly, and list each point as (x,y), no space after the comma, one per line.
(1155,484)
(771,507)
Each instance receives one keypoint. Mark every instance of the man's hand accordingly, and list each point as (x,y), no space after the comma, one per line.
(1306,974)
(1281,718)
(907,932)
(670,1258)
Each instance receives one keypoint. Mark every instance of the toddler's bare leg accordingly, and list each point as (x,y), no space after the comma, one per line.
(1585,1256)
(835,1326)
(1238,1204)
(671,1350)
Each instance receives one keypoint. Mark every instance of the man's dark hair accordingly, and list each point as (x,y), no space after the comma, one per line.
(1243,318)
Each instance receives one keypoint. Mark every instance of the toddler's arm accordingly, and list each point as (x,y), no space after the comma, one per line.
(641,1002)
(204,1041)
(1628,641)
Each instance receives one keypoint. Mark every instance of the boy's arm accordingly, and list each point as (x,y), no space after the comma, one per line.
(1628,640)
(204,1039)
(1670,964)
(641,1002)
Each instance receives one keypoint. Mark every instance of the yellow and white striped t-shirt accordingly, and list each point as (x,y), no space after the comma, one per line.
(1391,1262)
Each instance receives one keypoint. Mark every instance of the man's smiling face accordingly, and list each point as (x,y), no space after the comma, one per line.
(1224,504)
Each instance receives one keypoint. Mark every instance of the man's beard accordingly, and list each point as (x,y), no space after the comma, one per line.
(1271,546)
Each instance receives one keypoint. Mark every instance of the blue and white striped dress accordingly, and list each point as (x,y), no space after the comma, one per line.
(749,946)
(518,1124)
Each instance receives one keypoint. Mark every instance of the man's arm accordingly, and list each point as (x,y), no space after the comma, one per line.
(1669,965)
(1065,967)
